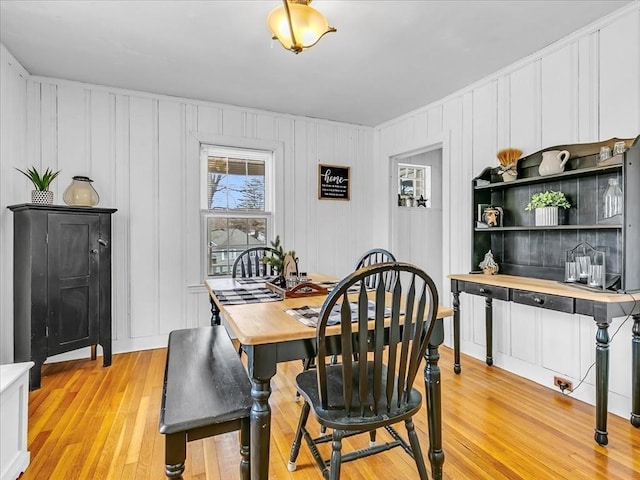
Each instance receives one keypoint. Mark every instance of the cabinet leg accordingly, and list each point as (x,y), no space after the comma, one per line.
(635,369)
(488,311)
(106,354)
(94,354)
(35,375)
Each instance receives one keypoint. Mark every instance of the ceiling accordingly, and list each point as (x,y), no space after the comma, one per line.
(386,59)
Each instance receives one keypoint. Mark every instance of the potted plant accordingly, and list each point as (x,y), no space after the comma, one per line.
(41,182)
(546,205)
(508,159)
(277,261)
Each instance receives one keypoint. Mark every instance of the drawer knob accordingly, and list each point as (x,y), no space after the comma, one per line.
(538,300)
(483,290)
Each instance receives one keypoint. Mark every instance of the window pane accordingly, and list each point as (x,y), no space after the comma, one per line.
(414,185)
(235,184)
(227,237)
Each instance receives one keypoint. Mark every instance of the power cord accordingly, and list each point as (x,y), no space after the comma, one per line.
(563,387)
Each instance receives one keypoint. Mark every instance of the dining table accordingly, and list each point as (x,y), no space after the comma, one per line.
(262,322)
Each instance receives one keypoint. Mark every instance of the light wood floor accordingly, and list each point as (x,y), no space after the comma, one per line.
(89,422)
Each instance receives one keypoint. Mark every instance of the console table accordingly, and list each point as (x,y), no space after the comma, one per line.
(552,295)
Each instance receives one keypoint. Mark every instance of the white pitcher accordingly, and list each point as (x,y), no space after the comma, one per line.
(553,162)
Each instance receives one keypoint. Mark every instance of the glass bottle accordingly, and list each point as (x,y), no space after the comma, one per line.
(612,200)
(80,193)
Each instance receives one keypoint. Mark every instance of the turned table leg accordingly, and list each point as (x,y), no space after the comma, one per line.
(602,382)
(434,403)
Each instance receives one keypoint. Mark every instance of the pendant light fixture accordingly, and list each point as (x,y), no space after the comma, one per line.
(297,26)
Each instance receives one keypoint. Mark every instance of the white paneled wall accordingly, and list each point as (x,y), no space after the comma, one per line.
(585,88)
(140,150)
(13,143)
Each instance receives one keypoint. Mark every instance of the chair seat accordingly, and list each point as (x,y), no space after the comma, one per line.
(337,417)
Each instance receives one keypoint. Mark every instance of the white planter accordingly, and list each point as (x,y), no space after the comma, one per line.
(42,197)
(546,216)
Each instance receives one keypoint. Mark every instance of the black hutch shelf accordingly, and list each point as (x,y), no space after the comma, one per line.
(521,248)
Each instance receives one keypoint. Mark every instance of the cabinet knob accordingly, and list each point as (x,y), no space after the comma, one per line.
(538,300)
(94,251)
(483,290)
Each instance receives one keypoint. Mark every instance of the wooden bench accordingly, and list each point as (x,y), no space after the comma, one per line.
(206,392)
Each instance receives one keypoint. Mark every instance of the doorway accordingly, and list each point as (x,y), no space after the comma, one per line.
(416,215)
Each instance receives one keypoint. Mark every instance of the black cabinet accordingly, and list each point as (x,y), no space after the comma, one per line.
(521,248)
(62,282)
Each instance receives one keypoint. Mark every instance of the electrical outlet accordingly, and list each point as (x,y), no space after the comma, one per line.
(563,384)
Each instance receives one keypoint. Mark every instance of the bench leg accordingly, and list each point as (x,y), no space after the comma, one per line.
(175,453)
(245,428)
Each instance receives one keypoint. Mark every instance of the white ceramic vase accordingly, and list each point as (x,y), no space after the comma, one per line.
(546,216)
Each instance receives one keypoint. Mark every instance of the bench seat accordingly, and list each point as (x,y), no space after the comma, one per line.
(206,392)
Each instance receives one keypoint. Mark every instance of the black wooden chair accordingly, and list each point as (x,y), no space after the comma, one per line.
(372,257)
(249,263)
(355,397)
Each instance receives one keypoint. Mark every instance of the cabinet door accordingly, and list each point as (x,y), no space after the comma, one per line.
(73,281)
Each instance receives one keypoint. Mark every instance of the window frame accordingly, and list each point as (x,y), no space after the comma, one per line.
(270,153)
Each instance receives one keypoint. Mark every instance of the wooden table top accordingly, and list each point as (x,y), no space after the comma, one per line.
(267,322)
(551,287)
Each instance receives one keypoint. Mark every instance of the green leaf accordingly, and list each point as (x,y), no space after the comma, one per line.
(549,198)
(41,181)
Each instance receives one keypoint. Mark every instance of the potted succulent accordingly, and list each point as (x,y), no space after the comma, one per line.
(41,182)
(546,205)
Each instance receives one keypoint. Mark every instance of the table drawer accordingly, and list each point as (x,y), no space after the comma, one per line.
(498,293)
(542,300)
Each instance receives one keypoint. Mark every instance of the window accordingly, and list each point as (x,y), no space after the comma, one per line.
(414,185)
(235,204)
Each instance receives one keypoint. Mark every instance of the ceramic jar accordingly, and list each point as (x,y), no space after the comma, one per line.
(80,193)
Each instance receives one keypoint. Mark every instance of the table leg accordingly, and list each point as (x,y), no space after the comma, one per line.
(261,361)
(635,371)
(215,313)
(456,332)
(434,404)
(602,381)
(488,312)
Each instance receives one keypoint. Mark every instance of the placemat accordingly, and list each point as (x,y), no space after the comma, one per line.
(253,280)
(331,285)
(238,296)
(309,315)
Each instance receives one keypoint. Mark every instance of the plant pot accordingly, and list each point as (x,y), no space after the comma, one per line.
(42,197)
(546,216)
(509,176)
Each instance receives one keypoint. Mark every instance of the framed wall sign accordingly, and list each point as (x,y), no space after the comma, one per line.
(333,182)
